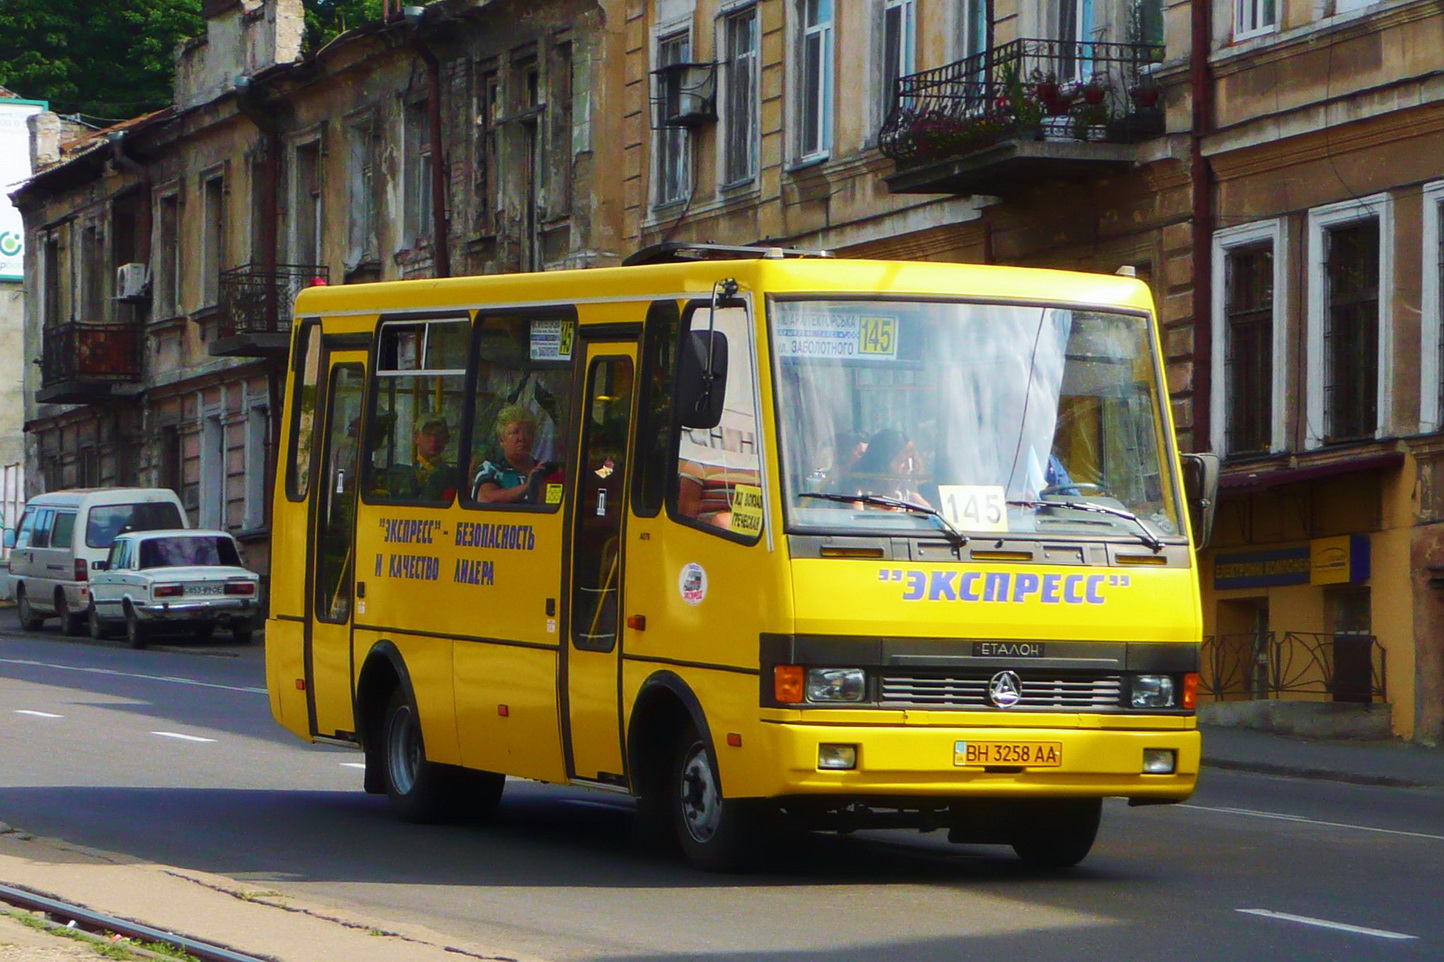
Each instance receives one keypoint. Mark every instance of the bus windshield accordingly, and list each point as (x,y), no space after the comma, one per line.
(1029,420)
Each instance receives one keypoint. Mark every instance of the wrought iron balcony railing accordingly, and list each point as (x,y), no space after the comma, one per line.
(254,300)
(1344,667)
(1026,89)
(90,351)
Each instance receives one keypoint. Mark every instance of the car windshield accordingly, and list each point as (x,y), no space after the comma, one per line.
(999,418)
(179,552)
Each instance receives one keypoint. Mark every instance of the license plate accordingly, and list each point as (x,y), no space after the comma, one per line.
(205,589)
(1018,754)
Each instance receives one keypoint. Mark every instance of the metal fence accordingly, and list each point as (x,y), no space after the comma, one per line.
(1051,89)
(90,351)
(1341,667)
(254,300)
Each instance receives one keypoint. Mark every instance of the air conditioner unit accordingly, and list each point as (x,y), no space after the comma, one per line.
(132,282)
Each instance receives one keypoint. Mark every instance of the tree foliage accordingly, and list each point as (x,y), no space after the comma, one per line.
(112,61)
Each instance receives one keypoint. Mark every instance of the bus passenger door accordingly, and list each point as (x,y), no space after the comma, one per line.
(331,550)
(592,665)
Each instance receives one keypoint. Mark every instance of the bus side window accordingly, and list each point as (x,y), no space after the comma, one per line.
(520,404)
(303,410)
(411,446)
(717,471)
(654,429)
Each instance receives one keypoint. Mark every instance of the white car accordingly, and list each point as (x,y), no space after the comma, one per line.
(183,580)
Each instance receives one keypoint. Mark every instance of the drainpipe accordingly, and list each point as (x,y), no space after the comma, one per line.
(440,249)
(1202,183)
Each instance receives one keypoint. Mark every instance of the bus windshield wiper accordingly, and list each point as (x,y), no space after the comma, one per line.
(1144,535)
(955,536)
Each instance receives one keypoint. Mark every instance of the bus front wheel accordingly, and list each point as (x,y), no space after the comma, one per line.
(1060,833)
(716,833)
(418,790)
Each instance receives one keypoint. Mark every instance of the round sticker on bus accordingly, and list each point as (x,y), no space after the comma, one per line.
(693,583)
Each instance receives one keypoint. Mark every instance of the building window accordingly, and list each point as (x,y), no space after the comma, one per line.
(258,421)
(673,150)
(91,265)
(739,115)
(1350,333)
(213,495)
(306,209)
(50,280)
(899,48)
(1431,326)
(1253,17)
(814,114)
(1249,339)
(360,192)
(484,190)
(559,117)
(168,266)
(416,222)
(1248,308)
(213,238)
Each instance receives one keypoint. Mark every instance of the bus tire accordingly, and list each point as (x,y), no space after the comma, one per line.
(716,833)
(419,791)
(1061,833)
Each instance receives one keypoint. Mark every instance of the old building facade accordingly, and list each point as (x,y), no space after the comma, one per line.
(1266,165)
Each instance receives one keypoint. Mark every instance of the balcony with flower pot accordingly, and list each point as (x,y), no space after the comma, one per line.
(1023,113)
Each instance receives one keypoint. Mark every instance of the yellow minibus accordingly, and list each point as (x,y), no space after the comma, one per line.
(761,539)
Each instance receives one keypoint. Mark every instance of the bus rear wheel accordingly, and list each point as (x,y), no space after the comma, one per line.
(419,790)
(716,833)
(1060,833)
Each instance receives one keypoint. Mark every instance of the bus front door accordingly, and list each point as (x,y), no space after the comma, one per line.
(331,550)
(593,647)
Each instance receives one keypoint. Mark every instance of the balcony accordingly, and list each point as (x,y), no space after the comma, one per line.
(86,362)
(1021,114)
(253,317)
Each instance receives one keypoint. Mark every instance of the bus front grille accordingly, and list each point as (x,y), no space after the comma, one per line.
(1072,693)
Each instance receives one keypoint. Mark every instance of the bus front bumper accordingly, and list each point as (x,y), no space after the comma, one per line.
(934,761)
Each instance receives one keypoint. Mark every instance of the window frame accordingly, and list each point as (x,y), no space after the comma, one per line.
(671,140)
(813,142)
(1251,18)
(1320,220)
(732,131)
(1431,324)
(1274,232)
(906,52)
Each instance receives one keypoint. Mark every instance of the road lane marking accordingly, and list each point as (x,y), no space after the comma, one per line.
(1326,924)
(37,714)
(128,674)
(1279,816)
(186,738)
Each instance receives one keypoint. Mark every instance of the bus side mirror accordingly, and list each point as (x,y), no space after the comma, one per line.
(9,537)
(702,379)
(1200,486)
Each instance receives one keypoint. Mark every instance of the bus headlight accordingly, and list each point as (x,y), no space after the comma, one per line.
(836,684)
(1153,691)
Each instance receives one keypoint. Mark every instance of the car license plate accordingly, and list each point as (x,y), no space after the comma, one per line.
(1023,754)
(206,589)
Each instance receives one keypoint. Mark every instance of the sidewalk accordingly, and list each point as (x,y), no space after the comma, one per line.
(248,918)
(1384,762)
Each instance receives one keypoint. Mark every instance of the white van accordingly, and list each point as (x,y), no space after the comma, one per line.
(63,533)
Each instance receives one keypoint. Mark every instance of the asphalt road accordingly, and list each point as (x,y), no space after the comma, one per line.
(170,755)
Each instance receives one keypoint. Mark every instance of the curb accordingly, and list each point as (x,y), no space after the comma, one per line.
(1317,774)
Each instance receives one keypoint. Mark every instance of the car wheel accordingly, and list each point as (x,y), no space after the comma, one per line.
(136,632)
(29,620)
(419,791)
(71,623)
(98,628)
(716,833)
(1060,833)
(242,635)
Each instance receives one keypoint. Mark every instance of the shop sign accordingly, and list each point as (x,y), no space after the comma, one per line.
(1343,560)
(1266,568)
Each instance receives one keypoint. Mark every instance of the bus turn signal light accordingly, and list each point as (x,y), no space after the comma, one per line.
(1190,690)
(787,684)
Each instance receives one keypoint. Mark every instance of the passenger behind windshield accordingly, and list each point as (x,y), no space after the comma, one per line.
(889,466)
